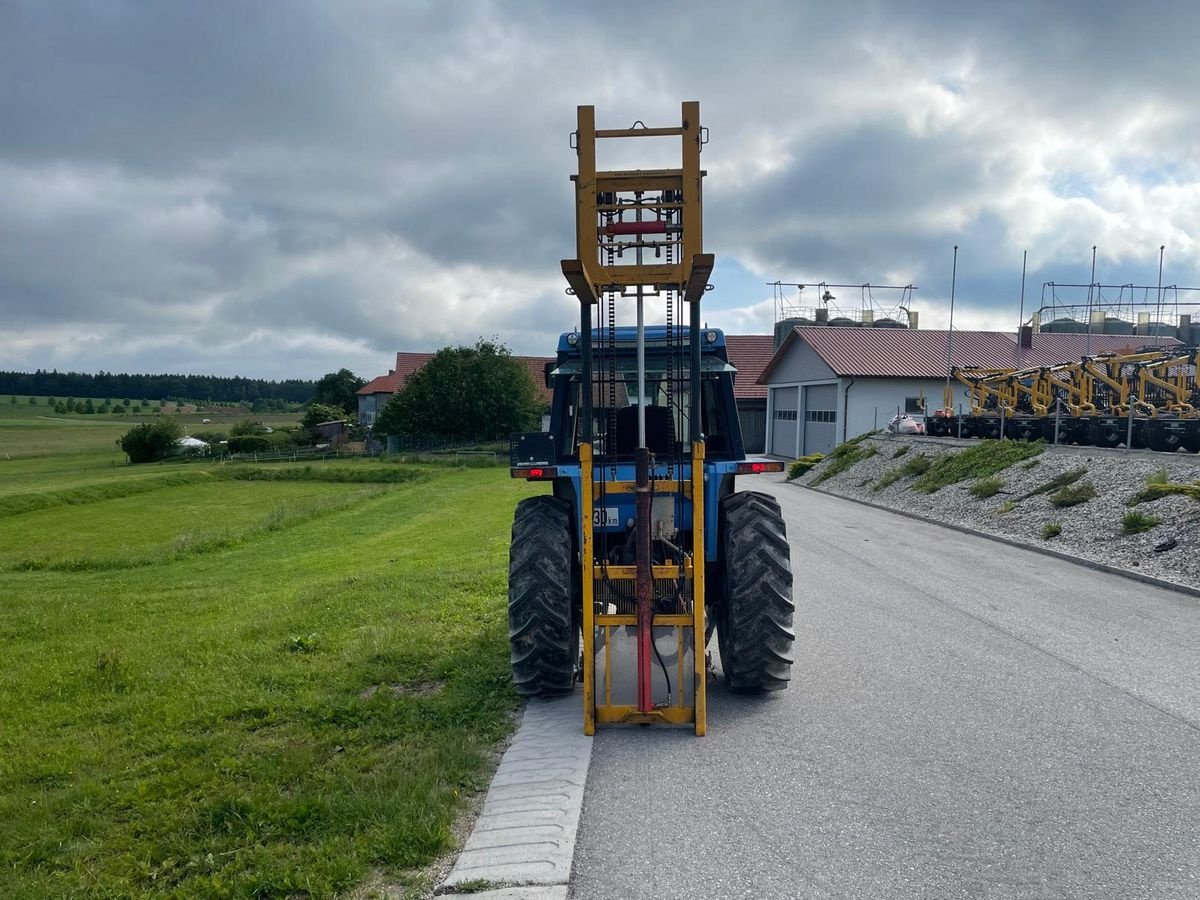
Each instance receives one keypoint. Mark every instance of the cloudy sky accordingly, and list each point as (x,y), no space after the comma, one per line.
(278,189)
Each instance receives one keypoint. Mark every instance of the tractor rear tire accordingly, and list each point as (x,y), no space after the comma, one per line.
(543,624)
(754,621)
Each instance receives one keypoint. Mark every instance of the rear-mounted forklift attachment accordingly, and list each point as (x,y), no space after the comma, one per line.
(622,217)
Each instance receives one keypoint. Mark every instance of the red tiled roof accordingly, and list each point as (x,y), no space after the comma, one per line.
(906,353)
(409,363)
(749,354)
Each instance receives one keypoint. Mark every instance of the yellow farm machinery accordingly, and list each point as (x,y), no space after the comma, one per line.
(619,575)
(1148,399)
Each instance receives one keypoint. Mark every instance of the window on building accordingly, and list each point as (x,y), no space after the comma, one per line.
(821,415)
(914,405)
(785,415)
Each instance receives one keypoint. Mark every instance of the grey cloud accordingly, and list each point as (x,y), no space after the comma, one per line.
(242,180)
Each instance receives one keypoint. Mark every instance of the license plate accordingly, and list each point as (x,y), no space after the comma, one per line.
(606,517)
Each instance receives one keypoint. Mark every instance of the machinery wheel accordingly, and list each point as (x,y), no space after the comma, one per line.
(543,627)
(754,621)
(1107,432)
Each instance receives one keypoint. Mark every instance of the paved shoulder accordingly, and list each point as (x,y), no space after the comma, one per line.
(966,720)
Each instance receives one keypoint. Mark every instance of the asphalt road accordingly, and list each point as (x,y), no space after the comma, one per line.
(966,719)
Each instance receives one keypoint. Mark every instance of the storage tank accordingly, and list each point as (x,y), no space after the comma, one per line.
(1065,326)
(1154,329)
(887,323)
(842,322)
(784,327)
(1113,325)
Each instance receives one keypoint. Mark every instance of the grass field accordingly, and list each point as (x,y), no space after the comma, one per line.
(226,682)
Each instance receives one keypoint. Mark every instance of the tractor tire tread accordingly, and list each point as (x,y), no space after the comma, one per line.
(542,626)
(755,624)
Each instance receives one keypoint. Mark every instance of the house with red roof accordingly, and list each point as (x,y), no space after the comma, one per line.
(826,384)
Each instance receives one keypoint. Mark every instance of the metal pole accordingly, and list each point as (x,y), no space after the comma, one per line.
(1003,410)
(960,421)
(1021,314)
(1129,429)
(950,332)
(1090,286)
(1057,417)
(1158,306)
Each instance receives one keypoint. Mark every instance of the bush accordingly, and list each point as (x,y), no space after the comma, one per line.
(1006,507)
(798,467)
(250,443)
(1157,491)
(1135,522)
(845,456)
(1073,495)
(1050,530)
(984,459)
(987,487)
(151,441)
(247,427)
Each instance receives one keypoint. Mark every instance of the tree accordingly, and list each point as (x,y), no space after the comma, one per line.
(318,413)
(151,441)
(469,393)
(246,427)
(88,406)
(13,400)
(339,389)
(33,401)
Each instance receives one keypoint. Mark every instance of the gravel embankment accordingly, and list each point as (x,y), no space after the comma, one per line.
(1092,530)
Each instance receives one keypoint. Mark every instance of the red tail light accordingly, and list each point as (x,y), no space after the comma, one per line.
(759,467)
(535,473)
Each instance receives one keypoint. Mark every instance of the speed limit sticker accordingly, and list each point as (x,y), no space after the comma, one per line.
(606,517)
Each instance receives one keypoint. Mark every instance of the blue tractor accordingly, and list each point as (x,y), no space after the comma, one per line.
(619,576)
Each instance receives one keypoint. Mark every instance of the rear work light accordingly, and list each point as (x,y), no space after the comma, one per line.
(759,468)
(536,473)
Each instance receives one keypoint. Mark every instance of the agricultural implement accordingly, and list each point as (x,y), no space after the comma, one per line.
(1148,399)
(618,577)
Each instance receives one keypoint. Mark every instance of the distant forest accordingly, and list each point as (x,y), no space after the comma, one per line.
(200,388)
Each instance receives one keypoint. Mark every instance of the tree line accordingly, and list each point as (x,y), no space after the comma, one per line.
(207,388)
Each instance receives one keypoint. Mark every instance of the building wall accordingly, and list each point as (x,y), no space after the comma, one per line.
(369,406)
(752,416)
(801,364)
(873,401)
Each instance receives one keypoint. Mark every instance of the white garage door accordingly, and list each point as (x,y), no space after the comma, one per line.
(783,425)
(820,418)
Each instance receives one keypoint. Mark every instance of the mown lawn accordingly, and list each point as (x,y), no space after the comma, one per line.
(280,716)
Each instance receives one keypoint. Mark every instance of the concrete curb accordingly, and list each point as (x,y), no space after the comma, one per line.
(523,843)
(1013,542)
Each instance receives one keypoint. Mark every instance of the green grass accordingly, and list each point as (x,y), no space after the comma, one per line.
(845,456)
(917,465)
(1156,491)
(1073,495)
(1051,530)
(1135,522)
(798,467)
(1006,507)
(277,716)
(1061,480)
(986,487)
(900,451)
(984,459)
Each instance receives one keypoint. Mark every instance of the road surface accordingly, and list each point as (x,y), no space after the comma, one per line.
(966,719)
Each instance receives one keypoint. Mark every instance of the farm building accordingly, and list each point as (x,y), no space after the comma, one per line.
(826,384)
(749,354)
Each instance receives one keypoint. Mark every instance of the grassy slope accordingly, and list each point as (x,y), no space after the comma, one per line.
(204,729)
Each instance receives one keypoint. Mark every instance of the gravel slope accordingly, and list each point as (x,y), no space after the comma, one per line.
(1092,530)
